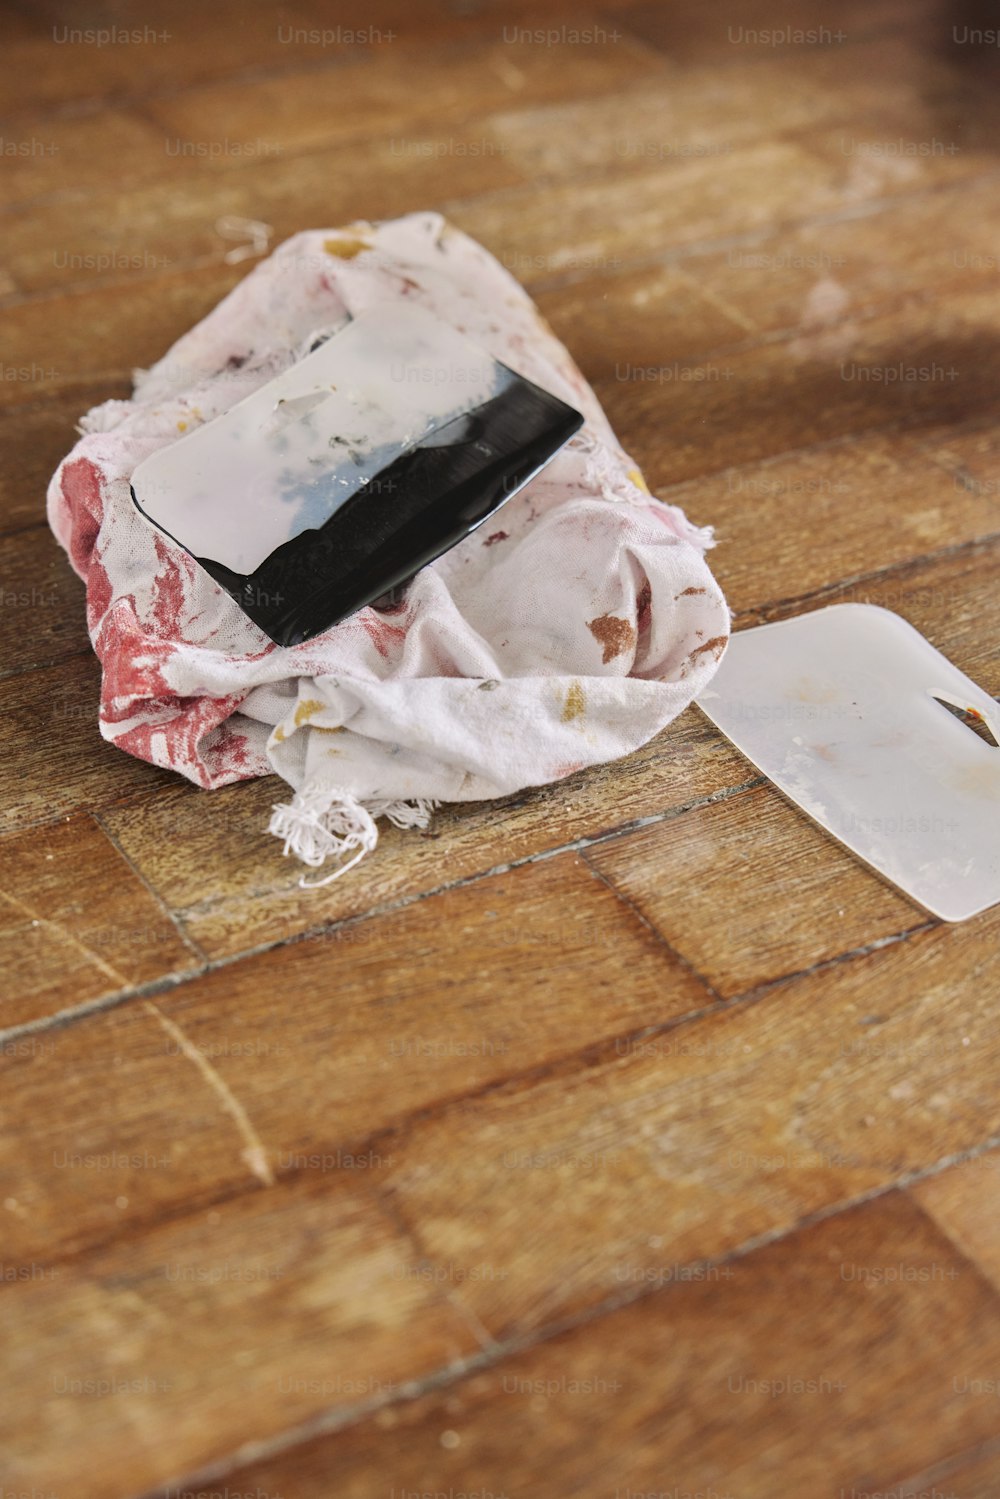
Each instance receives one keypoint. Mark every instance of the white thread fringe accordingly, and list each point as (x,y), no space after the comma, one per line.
(232,226)
(412,814)
(604,471)
(323,822)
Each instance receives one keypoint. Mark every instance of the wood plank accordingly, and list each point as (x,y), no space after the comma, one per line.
(750,403)
(950,139)
(815,274)
(214,860)
(158,227)
(962,1202)
(50,723)
(898,107)
(756,859)
(35,437)
(807,276)
(698,113)
(70,156)
(77,924)
(792,526)
(42,607)
(89,342)
(684,1144)
(972,456)
(777,1373)
(146,1360)
(457,80)
(610,316)
(391,1017)
(169,47)
(851,43)
(666,206)
(186,46)
(119,1122)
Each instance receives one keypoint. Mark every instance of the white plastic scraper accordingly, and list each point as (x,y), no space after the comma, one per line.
(844,710)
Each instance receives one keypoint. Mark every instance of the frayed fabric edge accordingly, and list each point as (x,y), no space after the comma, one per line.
(325,822)
(103,418)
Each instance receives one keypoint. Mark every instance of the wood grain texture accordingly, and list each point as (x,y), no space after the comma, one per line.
(70,155)
(949,599)
(238,39)
(697,113)
(169,225)
(685,1143)
(620,214)
(34,435)
(41,618)
(768,851)
(621,1137)
(915,497)
(962,1203)
(825,272)
(792,1370)
(930,363)
(374,101)
(77,924)
(56,342)
(50,720)
(448,998)
(692,33)
(142,1361)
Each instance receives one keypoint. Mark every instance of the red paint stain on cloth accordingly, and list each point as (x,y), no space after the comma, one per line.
(82,513)
(169,587)
(383,635)
(222,760)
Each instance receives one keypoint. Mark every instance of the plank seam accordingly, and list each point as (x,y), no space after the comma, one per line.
(340,1418)
(626,900)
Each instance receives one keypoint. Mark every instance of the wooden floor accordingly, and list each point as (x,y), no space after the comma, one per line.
(626,1137)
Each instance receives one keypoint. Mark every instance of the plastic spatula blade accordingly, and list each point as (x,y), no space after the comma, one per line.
(847,711)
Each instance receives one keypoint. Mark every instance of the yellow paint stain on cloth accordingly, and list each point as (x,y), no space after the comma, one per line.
(346,247)
(575,704)
(306,709)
